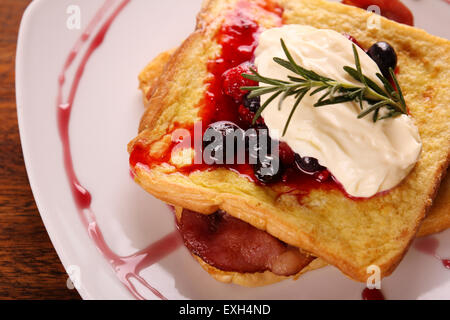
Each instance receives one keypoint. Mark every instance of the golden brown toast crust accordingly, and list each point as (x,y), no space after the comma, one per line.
(350,235)
(438,218)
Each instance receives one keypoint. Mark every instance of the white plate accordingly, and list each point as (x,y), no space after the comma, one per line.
(105,117)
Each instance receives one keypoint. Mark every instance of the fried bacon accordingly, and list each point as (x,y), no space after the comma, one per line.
(230,244)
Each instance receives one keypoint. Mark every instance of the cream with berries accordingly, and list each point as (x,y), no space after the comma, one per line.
(350,120)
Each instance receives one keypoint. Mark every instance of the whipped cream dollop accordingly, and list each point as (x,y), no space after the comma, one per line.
(365,157)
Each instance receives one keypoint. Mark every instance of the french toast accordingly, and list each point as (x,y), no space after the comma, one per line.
(438,217)
(349,234)
(437,220)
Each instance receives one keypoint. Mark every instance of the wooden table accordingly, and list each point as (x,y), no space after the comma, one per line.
(29,266)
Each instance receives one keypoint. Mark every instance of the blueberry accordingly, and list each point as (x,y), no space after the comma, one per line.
(384,56)
(252,104)
(215,142)
(268,170)
(308,165)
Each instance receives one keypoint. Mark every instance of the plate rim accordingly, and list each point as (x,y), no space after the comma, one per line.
(84,293)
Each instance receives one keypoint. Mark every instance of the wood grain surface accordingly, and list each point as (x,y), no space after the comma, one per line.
(29,266)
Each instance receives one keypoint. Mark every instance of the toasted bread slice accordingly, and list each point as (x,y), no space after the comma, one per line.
(438,217)
(437,220)
(348,234)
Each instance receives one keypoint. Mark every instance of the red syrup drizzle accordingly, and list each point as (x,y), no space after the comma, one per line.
(126,268)
(429,246)
(372,294)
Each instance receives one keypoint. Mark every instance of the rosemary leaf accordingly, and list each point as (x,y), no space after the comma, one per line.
(296,104)
(399,90)
(386,83)
(333,91)
(261,109)
(371,109)
(354,74)
(318,90)
(335,100)
(358,66)
(260,91)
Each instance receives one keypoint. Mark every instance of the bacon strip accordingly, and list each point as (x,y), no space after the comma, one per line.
(230,244)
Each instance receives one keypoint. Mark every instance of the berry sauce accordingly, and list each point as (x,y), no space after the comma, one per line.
(372,294)
(429,246)
(238,38)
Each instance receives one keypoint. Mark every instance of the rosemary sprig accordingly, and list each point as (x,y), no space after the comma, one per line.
(333,92)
